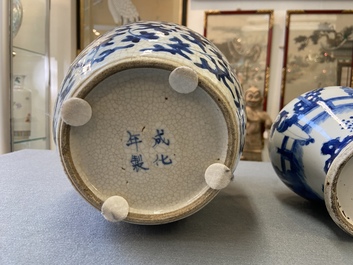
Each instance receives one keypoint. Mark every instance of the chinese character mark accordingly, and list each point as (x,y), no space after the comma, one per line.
(137,163)
(133,140)
(159,138)
(165,160)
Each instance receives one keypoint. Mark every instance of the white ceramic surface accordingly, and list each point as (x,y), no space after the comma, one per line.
(311,149)
(143,112)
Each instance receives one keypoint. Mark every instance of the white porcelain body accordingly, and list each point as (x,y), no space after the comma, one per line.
(142,55)
(312,133)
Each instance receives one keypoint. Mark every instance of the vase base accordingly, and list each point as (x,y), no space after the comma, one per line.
(339,189)
(149,144)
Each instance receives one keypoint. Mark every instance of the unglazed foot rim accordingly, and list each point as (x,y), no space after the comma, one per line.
(183,80)
(218,176)
(115,209)
(338,190)
(76,112)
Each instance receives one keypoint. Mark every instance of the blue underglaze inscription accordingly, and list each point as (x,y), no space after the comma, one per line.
(164,159)
(151,151)
(137,163)
(134,139)
(159,138)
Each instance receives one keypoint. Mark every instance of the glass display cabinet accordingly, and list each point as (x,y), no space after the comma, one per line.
(25,74)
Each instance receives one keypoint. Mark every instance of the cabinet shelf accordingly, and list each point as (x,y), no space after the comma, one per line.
(30,73)
(26,51)
(30,140)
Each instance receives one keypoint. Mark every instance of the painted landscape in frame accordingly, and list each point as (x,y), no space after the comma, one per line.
(244,37)
(318,51)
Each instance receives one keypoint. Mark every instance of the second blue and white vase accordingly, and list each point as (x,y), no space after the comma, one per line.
(311,149)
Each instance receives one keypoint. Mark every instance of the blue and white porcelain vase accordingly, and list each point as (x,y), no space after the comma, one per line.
(311,149)
(150,123)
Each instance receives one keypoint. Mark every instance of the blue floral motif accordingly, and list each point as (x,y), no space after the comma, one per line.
(196,39)
(69,81)
(159,38)
(176,46)
(242,127)
(221,72)
(182,47)
(149,31)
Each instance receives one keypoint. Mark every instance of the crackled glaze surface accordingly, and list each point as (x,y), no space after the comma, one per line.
(145,141)
(165,41)
(307,136)
(148,135)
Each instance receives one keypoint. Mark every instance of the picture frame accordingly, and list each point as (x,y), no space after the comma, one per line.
(95,17)
(245,38)
(318,51)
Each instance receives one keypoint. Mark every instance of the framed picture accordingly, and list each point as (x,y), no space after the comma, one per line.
(245,38)
(95,17)
(318,51)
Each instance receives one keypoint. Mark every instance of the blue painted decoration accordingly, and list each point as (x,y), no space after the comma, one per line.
(158,38)
(301,125)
